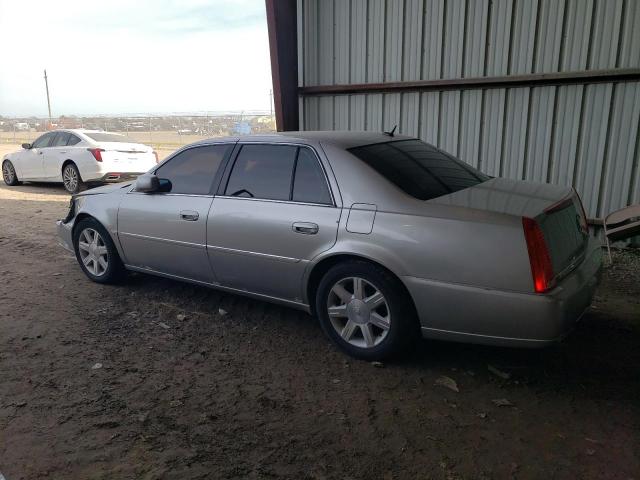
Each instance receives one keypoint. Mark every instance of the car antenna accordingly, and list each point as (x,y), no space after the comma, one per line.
(393,130)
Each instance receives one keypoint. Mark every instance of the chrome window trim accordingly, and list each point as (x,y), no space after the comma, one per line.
(189,147)
(169,194)
(291,202)
(291,144)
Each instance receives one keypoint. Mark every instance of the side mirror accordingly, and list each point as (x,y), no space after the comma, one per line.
(26,146)
(147,183)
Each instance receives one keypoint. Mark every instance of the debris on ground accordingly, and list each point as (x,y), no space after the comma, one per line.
(447,382)
(164,325)
(96,366)
(181,317)
(377,364)
(499,373)
(502,402)
(222,312)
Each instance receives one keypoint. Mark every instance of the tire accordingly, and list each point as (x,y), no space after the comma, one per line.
(372,316)
(9,174)
(89,252)
(71,178)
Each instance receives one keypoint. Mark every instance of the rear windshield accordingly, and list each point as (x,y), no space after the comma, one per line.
(109,137)
(419,169)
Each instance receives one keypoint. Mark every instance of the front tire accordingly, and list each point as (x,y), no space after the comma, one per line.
(366,311)
(9,174)
(71,178)
(96,252)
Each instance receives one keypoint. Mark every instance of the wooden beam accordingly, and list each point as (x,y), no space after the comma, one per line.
(283,45)
(508,81)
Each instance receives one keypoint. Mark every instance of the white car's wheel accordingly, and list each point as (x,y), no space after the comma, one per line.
(9,174)
(71,178)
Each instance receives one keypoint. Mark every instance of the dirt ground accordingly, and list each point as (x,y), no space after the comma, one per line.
(259,392)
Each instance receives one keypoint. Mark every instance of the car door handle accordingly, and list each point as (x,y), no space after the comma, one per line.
(306,228)
(189,215)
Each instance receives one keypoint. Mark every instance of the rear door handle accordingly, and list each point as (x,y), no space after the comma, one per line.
(189,215)
(306,228)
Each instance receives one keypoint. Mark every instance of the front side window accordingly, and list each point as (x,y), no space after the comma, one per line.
(44,141)
(263,171)
(193,171)
(419,169)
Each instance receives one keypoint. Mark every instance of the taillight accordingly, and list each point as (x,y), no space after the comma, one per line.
(541,267)
(97,153)
(155,154)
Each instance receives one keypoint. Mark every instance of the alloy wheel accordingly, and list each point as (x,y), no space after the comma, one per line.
(70,178)
(8,173)
(93,252)
(359,312)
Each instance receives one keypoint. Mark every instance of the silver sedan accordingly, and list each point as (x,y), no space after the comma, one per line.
(384,238)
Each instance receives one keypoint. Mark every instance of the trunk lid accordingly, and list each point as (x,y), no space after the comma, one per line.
(557,210)
(127,157)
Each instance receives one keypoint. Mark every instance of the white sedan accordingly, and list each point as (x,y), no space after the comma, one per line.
(78,157)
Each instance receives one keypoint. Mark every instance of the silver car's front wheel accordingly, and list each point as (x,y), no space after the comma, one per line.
(93,252)
(96,252)
(359,312)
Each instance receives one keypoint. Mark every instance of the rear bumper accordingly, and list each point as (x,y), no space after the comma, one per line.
(493,317)
(65,235)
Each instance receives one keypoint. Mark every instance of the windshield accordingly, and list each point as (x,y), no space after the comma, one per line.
(109,137)
(419,169)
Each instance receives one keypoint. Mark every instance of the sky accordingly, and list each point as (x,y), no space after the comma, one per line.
(133,56)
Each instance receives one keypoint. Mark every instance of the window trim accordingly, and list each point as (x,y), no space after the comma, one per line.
(234,157)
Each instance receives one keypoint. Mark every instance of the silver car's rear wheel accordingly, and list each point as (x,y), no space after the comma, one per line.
(93,252)
(359,312)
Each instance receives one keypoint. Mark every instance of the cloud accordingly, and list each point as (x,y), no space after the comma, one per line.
(126,57)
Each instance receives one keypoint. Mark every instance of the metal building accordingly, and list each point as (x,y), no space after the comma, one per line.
(545,90)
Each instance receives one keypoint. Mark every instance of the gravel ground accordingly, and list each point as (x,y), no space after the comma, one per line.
(113,382)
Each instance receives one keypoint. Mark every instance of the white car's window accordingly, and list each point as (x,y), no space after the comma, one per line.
(73,140)
(61,139)
(44,140)
(263,171)
(193,171)
(109,137)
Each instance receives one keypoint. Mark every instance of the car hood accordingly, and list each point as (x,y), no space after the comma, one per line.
(112,188)
(505,196)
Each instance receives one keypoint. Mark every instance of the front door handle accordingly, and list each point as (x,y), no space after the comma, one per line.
(189,215)
(306,228)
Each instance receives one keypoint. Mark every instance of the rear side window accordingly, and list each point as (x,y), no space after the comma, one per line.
(108,137)
(309,183)
(193,171)
(73,140)
(61,139)
(262,171)
(419,169)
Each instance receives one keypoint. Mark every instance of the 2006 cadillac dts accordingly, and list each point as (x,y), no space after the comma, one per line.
(380,236)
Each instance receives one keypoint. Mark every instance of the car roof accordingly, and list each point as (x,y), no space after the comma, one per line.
(339,138)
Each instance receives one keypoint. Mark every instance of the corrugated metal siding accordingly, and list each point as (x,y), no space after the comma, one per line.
(581,135)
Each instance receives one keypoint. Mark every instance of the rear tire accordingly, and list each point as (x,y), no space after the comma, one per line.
(71,178)
(9,174)
(96,252)
(365,311)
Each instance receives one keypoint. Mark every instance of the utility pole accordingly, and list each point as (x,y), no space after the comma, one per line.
(46,85)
